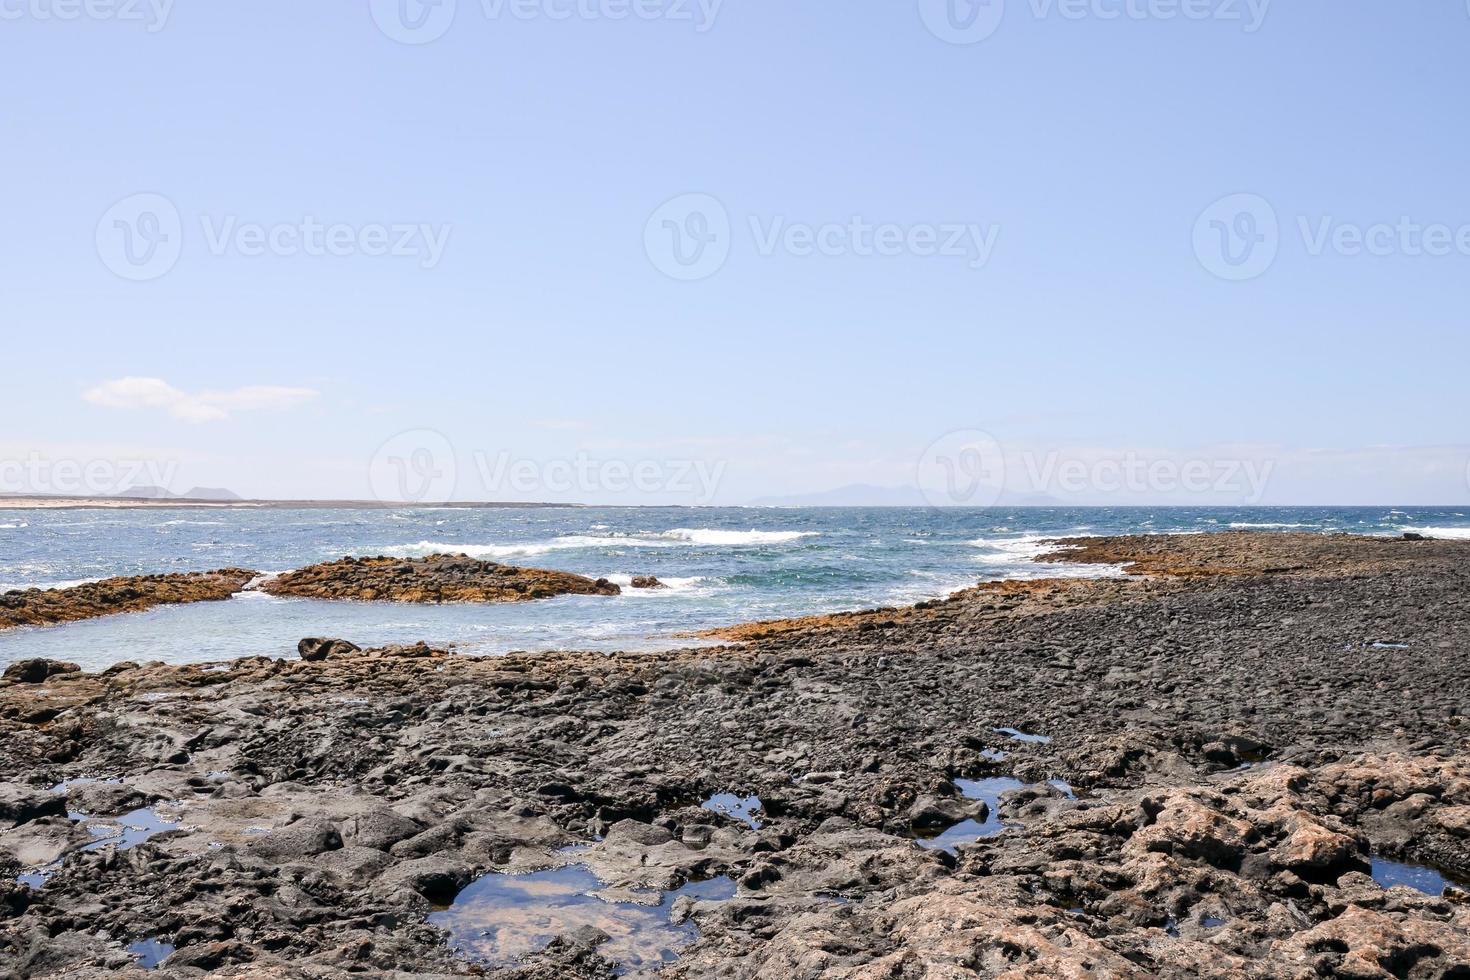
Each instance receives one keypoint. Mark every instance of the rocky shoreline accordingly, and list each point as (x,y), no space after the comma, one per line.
(1248,727)
(49,607)
(433,579)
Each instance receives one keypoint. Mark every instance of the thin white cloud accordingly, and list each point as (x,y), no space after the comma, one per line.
(197,407)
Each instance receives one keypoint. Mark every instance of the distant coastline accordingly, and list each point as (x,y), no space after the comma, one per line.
(48,502)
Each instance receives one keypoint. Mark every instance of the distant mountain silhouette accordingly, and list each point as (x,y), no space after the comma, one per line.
(163,493)
(867,495)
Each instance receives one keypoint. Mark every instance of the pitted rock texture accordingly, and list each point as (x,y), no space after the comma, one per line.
(435,579)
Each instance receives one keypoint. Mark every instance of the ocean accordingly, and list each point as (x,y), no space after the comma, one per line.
(722,566)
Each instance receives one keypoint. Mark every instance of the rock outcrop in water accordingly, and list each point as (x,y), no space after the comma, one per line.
(1243,744)
(435,579)
(47,607)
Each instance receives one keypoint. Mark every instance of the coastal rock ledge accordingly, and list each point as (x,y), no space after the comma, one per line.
(48,607)
(435,579)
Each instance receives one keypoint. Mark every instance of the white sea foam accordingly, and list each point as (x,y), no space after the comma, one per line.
(678,537)
(672,585)
(1246,524)
(1455,533)
(70,583)
(710,535)
(523,549)
(1010,550)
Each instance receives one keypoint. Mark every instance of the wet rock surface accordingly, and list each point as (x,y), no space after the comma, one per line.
(1241,753)
(47,607)
(435,579)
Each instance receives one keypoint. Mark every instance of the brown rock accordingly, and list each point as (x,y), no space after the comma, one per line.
(36,671)
(44,607)
(436,579)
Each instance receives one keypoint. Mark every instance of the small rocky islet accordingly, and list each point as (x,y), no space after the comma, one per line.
(1249,726)
(433,579)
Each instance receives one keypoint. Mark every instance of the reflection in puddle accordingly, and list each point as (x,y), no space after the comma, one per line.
(499,919)
(1425,879)
(736,808)
(124,833)
(148,953)
(127,831)
(1020,736)
(969,831)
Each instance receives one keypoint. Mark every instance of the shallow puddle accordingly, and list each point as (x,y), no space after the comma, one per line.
(148,953)
(736,808)
(122,832)
(1427,880)
(500,919)
(969,831)
(1017,735)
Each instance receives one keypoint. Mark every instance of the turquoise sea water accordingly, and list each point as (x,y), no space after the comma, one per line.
(723,566)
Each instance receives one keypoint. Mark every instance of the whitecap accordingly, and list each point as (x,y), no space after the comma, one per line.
(672,585)
(1244,524)
(524,549)
(710,535)
(1453,533)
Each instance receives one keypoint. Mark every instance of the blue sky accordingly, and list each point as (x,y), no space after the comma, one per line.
(515,169)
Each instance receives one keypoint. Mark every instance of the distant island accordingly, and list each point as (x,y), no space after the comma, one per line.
(158,497)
